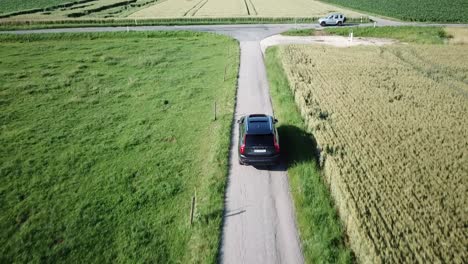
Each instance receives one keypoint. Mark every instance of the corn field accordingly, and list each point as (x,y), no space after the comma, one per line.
(392,129)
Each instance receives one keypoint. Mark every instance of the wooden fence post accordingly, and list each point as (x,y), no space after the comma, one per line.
(214,111)
(192,210)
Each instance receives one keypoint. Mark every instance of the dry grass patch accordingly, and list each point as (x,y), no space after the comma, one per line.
(458,35)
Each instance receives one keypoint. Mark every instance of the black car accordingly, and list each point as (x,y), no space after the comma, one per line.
(258,140)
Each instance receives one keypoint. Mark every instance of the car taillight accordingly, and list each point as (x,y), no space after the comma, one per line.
(242,148)
(277,148)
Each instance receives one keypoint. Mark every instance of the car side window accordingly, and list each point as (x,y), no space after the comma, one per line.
(336,17)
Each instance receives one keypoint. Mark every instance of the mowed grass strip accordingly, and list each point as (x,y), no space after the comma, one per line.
(105,139)
(320,229)
(410,34)
(6,24)
(299,32)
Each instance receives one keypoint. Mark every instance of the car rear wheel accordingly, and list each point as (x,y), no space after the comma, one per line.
(340,23)
(241,163)
(323,23)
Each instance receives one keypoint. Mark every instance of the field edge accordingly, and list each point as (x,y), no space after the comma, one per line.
(320,229)
(9,25)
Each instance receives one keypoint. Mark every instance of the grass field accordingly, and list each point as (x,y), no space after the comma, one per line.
(320,229)
(427,10)
(392,133)
(105,141)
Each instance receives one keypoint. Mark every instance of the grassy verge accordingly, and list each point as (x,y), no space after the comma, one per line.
(105,141)
(411,34)
(420,35)
(70,23)
(319,226)
(299,32)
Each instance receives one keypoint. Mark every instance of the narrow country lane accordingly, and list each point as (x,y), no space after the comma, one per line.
(259,225)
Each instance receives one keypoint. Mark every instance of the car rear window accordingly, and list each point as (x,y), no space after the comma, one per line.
(259,127)
(259,140)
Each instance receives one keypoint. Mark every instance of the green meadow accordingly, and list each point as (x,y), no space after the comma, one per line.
(106,137)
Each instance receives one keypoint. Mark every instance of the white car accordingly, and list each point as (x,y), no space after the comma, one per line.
(335,19)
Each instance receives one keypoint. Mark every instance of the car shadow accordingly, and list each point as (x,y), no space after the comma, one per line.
(277,167)
(297,145)
(344,25)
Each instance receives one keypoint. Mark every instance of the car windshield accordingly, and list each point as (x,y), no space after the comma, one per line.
(259,140)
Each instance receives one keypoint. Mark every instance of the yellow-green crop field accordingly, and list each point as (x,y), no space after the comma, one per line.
(239,8)
(136,9)
(392,129)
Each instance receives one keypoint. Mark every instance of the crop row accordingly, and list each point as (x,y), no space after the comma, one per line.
(393,138)
(21,10)
(8,6)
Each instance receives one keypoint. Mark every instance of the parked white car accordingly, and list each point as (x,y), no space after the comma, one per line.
(335,19)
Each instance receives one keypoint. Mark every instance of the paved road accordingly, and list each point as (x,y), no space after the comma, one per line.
(259,222)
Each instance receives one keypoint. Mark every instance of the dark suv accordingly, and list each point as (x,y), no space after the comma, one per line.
(258,140)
